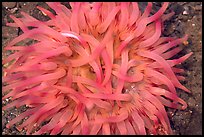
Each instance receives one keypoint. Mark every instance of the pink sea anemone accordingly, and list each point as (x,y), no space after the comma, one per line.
(78,74)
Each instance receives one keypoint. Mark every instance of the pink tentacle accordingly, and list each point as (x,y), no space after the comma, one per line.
(124,16)
(74,18)
(103,27)
(154,38)
(135,14)
(165,66)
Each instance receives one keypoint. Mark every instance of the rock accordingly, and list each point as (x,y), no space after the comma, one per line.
(9,5)
(191,102)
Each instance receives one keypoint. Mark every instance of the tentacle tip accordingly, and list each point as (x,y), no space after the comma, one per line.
(8,126)
(185,41)
(183,107)
(19,128)
(7,24)
(3,108)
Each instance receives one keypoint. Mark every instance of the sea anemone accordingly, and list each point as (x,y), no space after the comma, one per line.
(97,68)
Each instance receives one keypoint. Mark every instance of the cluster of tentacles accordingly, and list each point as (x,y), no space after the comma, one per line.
(77,75)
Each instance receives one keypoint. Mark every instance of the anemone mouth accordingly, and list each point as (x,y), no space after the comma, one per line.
(78,74)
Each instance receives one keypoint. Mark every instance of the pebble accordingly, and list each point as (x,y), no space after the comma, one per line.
(191,102)
(9,32)
(9,5)
(14,10)
(185,12)
(198,7)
